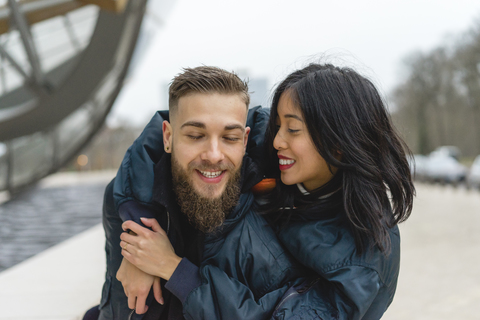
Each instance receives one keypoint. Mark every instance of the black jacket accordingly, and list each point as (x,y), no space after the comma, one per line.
(346,285)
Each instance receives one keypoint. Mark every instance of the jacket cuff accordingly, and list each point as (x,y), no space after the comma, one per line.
(131,210)
(184,279)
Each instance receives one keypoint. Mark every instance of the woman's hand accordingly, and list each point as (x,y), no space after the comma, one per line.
(136,285)
(149,250)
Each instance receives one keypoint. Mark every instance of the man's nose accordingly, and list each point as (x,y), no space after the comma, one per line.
(213,152)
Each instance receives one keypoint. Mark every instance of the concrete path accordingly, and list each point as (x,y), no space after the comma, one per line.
(440,267)
(60,283)
(63,281)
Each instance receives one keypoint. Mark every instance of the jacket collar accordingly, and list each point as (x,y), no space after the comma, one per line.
(163,188)
(245,203)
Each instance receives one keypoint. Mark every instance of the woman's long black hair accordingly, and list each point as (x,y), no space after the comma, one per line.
(344,112)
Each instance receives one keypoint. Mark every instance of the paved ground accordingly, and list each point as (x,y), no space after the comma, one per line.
(61,281)
(440,267)
(59,207)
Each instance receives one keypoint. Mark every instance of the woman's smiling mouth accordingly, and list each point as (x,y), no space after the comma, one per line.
(285,163)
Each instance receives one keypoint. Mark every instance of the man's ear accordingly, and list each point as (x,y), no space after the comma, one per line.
(167,136)
(245,139)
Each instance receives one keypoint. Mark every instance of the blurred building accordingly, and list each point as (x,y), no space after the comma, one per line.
(257,87)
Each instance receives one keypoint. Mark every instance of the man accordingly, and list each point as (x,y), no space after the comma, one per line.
(229,264)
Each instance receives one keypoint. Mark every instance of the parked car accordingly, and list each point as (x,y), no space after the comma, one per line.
(474,174)
(451,151)
(444,168)
(418,166)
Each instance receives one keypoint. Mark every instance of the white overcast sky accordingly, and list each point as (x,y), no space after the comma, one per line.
(271,38)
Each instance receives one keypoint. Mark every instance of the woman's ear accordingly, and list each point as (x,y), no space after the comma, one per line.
(167,136)
(338,155)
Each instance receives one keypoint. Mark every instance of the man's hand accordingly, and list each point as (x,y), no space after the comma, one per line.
(137,284)
(149,250)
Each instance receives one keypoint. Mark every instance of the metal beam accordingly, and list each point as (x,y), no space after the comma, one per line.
(39,11)
(14,63)
(110,5)
(27,39)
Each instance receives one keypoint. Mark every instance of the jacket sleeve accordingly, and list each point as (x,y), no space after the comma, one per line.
(134,180)
(348,284)
(346,295)
(352,290)
(209,293)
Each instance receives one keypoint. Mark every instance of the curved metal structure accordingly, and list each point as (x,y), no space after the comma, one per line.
(62,64)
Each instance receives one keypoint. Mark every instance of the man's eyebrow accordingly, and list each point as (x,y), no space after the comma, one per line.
(195,124)
(234,126)
(293,116)
(202,125)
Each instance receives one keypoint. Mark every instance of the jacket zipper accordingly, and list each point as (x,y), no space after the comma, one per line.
(131,314)
(168,222)
(303,288)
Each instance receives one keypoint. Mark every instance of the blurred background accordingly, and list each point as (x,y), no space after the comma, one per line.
(79,79)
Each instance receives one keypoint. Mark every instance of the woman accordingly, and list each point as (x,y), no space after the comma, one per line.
(343,184)
(343,170)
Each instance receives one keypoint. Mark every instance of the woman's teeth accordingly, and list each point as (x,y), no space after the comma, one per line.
(285,162)
(210,174)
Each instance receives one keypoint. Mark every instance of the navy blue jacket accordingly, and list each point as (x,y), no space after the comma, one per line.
(350,285)
(347,285)
(243,271)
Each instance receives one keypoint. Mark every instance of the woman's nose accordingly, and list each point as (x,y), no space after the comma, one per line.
(279,143)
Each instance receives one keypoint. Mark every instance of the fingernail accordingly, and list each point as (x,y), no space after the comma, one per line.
(161,301)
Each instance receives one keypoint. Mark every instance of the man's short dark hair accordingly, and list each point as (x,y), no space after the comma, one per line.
(206,79)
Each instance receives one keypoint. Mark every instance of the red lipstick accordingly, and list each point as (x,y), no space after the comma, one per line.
(283,167)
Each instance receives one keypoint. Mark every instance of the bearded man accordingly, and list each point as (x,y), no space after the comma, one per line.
(219,258)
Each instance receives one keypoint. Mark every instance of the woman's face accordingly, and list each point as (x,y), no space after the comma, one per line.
(299,161)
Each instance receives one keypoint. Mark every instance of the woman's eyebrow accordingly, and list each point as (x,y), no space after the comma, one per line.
(293,116)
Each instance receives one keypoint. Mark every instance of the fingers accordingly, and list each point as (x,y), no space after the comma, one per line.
(153,223)
(135,227)
(125,246)
(157,291)
(131,302)
(128,238)
(127,255)
(141,307)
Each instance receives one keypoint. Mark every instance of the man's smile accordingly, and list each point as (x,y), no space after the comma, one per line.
(211,174)
(211,177)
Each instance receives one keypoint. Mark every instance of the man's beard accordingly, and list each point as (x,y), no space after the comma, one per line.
(205,214)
